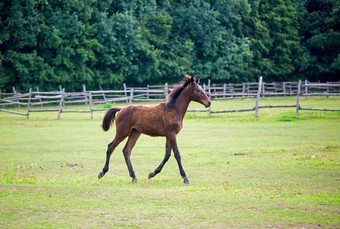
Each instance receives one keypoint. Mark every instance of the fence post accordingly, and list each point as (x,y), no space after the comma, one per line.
(61,103)
(284,88)
(224,90)
(166,90)
(16,96)
(298,98)
(84,91)
(90,104)
(306,89)
(209,89)
(243,90)
(62,90)
(232,91)
(131,96)
(125,93)
(28,103)
(258,97)
(147,91)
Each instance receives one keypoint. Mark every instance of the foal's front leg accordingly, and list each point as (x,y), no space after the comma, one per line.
(173,142)
(166,158)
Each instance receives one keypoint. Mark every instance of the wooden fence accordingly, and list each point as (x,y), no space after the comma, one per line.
(34,101)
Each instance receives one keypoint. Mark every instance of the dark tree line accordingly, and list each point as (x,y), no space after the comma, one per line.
(47,43)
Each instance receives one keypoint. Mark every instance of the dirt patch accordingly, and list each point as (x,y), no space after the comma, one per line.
(73,165)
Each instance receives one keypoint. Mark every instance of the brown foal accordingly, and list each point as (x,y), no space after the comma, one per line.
(164,119)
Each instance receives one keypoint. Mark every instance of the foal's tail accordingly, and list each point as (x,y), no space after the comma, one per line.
(109,118)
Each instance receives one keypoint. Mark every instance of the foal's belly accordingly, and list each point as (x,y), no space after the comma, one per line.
(150,127)
(148,123)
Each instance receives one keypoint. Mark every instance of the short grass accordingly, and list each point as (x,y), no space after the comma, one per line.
(277,170)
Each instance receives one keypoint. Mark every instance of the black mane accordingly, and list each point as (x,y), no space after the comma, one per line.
(176,92)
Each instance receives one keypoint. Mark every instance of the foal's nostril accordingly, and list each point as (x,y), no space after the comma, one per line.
(208,105)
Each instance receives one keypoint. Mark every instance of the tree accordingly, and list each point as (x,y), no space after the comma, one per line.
(320,29)
(20,25)
(275,42)
(214,50)
(68,44)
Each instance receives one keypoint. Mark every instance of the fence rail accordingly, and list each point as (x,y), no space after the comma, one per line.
(32,99)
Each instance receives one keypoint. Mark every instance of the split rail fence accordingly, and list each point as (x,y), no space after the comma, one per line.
(34,101)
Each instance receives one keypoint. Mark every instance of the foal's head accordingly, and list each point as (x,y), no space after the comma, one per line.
(195,91)
(192,90)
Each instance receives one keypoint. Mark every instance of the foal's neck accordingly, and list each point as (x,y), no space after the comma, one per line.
(182,103)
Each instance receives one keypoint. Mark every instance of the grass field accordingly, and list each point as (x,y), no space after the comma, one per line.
(274,171)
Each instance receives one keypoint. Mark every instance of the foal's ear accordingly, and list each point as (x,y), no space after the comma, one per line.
(198,80)
(192,80)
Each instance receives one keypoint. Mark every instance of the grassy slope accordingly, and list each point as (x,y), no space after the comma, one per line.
(274,171)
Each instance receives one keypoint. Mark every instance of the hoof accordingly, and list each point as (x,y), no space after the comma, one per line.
(100,175)
(186,180)
(151,175)
(134,180)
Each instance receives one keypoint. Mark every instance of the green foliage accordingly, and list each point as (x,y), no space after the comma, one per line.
(275,41)
(320,29)
(48,43)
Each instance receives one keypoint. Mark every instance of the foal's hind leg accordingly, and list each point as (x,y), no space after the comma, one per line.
(166,158)
(110,148)
(133,137)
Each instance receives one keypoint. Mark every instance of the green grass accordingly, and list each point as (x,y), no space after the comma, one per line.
(277,170)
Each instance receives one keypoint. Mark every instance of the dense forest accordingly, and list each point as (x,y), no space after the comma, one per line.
(47,43)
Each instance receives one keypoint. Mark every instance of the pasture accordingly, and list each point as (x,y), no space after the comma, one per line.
(274,171)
